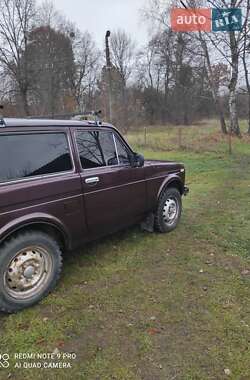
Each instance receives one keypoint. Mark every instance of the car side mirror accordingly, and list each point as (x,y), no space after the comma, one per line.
(137,160)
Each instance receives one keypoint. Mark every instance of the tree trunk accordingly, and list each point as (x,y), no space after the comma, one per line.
(244,60)
(248,131)
(25,102)
(248,91)
(234,122)
(166,96)
(217,102)
(220,111)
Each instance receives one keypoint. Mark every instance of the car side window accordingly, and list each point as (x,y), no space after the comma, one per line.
(122,151)
(31,155)
(96,149)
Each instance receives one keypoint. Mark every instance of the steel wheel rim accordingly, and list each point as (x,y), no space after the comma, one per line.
(28,272)
(170,211)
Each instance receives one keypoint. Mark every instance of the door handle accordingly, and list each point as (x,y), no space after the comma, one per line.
(92,180)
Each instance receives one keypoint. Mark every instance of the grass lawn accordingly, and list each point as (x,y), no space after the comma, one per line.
(140,306)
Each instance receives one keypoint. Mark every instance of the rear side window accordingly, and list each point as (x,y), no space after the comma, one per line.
(96,149)
(28,155)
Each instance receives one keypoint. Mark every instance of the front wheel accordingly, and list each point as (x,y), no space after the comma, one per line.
(30,264)
(168,211)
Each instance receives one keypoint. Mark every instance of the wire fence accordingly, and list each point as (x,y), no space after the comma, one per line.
(202,137)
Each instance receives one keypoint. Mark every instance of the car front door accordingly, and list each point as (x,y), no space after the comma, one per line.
(114,192)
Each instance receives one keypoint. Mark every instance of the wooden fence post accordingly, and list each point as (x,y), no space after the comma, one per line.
(145,136)
(230,141)
(180,137)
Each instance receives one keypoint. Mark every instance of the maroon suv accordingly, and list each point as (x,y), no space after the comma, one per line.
(63,183)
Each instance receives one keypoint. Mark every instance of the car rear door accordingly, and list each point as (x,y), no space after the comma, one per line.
(38,181)
(114,193)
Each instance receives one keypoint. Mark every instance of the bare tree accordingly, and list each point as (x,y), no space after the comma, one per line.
(123,54)
(86,67)
(47,14)
(201,37)
(158,12)
(212,83)
(16,19)
(115,75)
(229,45)
(5,86)
(245,61)
(148,73)
(51,68)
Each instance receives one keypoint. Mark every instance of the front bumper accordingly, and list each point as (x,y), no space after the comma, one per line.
(186,190)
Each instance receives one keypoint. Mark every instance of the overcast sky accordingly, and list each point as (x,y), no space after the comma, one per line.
(98,16)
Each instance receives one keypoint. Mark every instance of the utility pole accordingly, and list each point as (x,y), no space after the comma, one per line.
(109,68)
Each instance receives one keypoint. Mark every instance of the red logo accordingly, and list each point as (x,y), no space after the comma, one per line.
(191,20)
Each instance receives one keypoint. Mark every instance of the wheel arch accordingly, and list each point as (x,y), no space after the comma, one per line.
(36,222)
(175,182)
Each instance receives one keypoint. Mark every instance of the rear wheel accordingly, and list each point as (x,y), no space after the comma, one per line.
(168,211)
(30,265)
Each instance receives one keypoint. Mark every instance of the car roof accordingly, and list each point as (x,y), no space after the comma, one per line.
(14,122)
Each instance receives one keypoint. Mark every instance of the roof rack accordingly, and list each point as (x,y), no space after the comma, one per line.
(93,117)
(98,119)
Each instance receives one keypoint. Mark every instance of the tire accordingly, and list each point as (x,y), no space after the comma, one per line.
(168,212)
(30,265)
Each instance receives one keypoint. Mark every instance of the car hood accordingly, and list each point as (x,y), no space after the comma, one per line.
(170,165)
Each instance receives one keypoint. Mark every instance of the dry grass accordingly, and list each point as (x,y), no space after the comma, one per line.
(138,306)
(201,137)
